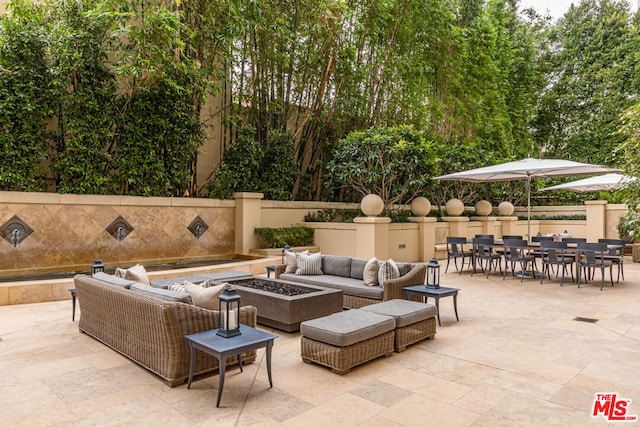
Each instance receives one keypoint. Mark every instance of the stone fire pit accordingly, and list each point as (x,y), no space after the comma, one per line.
(283,305)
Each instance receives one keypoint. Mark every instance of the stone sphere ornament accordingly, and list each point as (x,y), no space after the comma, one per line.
(505,209)
(372,205)
(454,207)
(483,208)
(420,206)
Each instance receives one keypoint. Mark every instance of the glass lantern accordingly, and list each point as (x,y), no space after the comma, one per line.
(433,274)
(97,267)
(229,309)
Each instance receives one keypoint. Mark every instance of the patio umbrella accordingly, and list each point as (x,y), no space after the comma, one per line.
(608,182)
(527,169)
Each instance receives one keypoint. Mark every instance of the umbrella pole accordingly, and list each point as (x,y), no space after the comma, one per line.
(528,207)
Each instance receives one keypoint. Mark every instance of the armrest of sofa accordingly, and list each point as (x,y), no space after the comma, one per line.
(393,288)
(279,269)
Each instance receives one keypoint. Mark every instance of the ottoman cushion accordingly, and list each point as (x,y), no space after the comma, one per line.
(347,327)
(405,312)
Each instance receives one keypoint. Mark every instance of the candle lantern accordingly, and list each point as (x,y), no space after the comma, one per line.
(97,267)
(229,325)
(286,249)
(433,274)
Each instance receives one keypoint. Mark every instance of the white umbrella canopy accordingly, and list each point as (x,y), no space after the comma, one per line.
(527,169)
(608,182)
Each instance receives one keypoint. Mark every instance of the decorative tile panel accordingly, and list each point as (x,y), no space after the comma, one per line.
(198,227)
(15,230)
(119,228)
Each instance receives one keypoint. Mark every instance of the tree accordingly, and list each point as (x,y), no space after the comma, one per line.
(396,163)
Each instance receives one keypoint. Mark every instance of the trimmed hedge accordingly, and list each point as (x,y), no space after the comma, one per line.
(279,237)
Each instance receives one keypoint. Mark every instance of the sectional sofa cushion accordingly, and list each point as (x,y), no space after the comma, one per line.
(348,285)
(114,280)
(357,268)
(162,294)
(336,265)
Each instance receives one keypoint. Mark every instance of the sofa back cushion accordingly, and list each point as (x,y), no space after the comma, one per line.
(336,265)
(404,268)
(113,280)
(161,294)
(357,268)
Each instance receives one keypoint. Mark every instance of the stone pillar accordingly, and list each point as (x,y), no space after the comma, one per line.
(457,225)
(510,225)
(248,217)
(426,237)
(596,219)
(372,237)
(488,223)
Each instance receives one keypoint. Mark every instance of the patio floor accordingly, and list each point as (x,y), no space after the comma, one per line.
(517,357)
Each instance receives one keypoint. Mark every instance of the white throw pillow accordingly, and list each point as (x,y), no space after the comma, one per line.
(309,264)
(176,287)
(388,270)
(291,261)
(136,273)
(370,273)
(205,297)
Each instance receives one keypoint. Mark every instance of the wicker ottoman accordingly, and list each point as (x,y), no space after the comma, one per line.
(347,339)
(415,321)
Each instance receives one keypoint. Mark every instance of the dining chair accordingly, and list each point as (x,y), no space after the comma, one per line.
(483,252)
(591,256)
(536,252)
(512,237)
(555,253)
(615,254)
(515,252)
(574,239)
(485,236)
(456,250)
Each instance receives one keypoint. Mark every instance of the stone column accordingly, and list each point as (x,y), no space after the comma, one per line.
(248,217)
(596,219)
(457,225)
(372,237)
(426,237)
(510,225)
(488,223)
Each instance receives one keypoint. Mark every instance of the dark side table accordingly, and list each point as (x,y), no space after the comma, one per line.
(435,293)
(224,348)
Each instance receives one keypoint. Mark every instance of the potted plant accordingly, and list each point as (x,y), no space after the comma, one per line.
(629,226)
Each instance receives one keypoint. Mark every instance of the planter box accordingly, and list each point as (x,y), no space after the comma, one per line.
(635,252)
(286,312)
(278,251)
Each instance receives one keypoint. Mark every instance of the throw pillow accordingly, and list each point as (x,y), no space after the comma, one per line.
(205,297)
(309,264)
(136,273)
(388,270)
(370,273)
(291,261)
(176,287)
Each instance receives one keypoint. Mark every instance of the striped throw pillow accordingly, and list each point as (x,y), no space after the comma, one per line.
(388,270)
(309,264)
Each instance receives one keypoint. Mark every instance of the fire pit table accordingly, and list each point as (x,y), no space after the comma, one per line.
(283,305)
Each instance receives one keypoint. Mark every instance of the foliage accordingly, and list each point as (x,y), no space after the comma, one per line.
(292,236)
(394,163)
(279,166)
(629,226)
(241,168)
(333,215)
(27,97)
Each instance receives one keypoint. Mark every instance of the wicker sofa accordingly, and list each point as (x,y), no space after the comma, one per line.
(346,274)
(148,330)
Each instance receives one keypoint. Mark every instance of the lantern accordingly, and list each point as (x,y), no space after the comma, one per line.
(229,325)
(433,274)
(97,267)
(286,249)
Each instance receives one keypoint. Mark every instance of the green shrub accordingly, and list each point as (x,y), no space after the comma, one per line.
(279,237)
(629,226)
